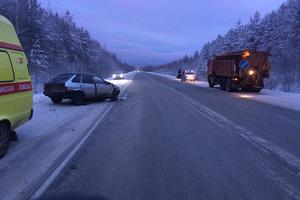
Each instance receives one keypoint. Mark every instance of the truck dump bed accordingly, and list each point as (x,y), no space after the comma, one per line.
(225,67)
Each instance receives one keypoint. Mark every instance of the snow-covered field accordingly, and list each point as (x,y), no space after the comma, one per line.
(277,98)
(46,140)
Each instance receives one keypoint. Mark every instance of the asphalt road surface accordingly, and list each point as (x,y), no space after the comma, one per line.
(167,140)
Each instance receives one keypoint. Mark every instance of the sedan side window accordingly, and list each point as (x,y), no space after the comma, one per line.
(76,79)
(99,80)
(87,79)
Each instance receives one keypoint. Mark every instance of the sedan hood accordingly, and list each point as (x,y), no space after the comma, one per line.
(116,87)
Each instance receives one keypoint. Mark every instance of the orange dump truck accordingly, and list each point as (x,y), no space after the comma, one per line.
(239,71)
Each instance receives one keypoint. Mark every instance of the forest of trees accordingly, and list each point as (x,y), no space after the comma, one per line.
(278,32)
(55,44)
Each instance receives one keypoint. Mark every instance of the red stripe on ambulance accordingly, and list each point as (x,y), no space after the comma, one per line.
(13,88)
(10,46)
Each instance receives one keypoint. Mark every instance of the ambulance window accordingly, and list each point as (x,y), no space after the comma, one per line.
(20,66)
(6,70)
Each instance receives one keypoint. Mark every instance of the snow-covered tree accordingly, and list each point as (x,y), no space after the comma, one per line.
(278,32)
(55,44)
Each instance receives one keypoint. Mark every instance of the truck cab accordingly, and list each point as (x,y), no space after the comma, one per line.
(15,85)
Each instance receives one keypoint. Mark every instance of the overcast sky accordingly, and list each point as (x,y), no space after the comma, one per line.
(143,32)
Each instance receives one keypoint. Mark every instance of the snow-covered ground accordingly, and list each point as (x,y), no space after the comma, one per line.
(277,98)
(46,140)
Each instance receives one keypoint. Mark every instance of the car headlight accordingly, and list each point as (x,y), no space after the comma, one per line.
(114,76)
(251,72)
(122,75)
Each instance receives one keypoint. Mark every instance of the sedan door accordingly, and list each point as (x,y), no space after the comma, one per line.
(88,86)
(103,88)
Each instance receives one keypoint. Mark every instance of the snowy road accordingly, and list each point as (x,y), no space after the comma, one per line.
(171,140)
(46,140)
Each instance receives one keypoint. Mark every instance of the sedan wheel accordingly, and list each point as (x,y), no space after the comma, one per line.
(56,100)
(115,96)
(78,99)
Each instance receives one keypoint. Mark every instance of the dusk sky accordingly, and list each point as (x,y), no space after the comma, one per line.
(143,32)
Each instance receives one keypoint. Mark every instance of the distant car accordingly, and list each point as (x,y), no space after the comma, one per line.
(79,87)
(118,75)
(189,76)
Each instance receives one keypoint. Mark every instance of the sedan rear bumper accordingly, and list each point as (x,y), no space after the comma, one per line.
(63,95)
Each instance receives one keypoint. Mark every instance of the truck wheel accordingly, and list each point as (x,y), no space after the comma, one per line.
(4,139)
(223,84)
(114,96)
(78,99)
(228,85)
(211,82)
(56,100)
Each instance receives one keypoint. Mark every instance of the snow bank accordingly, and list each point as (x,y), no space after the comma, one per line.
(282,99)
(277,98)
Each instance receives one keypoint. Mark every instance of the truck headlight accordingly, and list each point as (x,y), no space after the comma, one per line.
(251,72)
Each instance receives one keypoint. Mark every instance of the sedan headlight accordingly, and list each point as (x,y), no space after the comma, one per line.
(114,76)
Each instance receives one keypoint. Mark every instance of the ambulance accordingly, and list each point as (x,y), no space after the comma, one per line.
(15,85)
